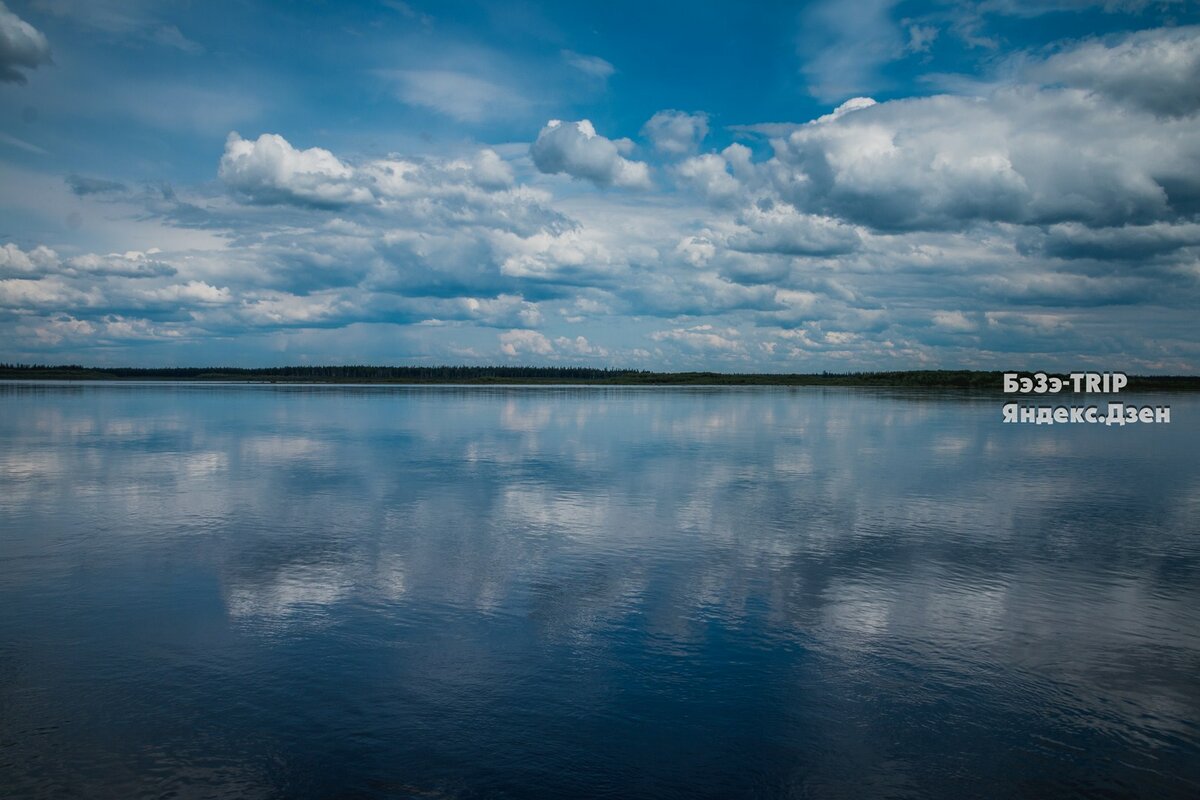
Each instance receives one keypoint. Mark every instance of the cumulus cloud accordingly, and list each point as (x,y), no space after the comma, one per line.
(490,171)
(106,330)
(396,178)
(574,148)
(53,293)
(853,104)
(22,46)
(477,190)
(708,175)
(289,310)
(58,327)
(697,251)
(131,264)
(676,133)
(15,262)
(1100,134)
(270,170)
(433,240)
(953,321)
(523,341)
(501,311)
(579,346)
(1021,155)
(704,338)
(1155,70)
(115,327)
(551,254)
(191,292)
(781,229)
(101,297)
(41,262)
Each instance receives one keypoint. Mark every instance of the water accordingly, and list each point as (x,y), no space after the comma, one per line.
(345,592)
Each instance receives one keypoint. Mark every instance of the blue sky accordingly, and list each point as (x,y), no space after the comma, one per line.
(762,186)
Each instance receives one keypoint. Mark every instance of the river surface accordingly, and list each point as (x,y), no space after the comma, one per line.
(395,592)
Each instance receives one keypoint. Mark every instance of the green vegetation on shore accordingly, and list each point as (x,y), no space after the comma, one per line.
(958,379)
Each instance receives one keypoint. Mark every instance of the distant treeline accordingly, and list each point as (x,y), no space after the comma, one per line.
(961,379)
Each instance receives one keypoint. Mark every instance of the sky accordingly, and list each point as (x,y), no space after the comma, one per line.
(840,185)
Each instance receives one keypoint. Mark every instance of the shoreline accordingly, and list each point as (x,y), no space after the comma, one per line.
(984,381)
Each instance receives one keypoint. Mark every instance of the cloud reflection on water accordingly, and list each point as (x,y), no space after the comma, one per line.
(904,539)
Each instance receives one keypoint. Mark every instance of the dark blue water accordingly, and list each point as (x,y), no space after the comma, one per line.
(338,592)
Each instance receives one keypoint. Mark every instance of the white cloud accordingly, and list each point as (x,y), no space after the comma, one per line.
(697,250)
(270,170)
(1156,70)
(796,301)
(115,326)
(579,346)
(708,176)
(22,46)
(576,149)
(782,229)
(1044,324)
(853,104)
(59,327)
(503,310)
(191,292)
(676,133)
(522,341)
(289,309)
(52,293)
(41,261)
(490,171)
(476,191)
(701,338)
(953,321)
(131,264)
(549,254)
(15,262)
(1020,155)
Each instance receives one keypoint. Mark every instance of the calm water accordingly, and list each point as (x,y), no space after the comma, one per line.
(338,592)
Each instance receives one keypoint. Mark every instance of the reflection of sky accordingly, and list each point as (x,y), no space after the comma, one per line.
(812,547)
